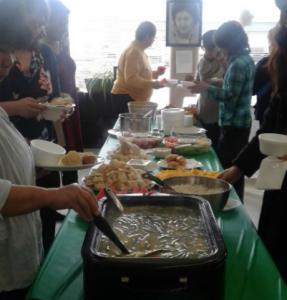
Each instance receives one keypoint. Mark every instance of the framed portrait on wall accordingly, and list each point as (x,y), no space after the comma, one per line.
(183,23)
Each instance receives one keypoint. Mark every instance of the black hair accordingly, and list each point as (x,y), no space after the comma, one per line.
(37,7)
(191,8)
(208,40)
(12,25)
(144,29)
(282,5)
(231,36)
(57,9)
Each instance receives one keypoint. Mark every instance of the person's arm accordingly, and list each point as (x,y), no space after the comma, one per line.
(203,70)
(252,150)
(235,80)
(27,199)
(132,70)
(51,65)
(26,108)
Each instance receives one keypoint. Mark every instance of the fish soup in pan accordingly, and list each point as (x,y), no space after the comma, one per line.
(177,232)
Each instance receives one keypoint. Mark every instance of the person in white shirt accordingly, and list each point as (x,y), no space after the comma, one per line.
(21,249)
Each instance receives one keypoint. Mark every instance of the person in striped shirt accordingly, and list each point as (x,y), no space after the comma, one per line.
(235,95)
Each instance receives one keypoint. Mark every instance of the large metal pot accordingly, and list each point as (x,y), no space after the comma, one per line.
(217,201)
(134,122)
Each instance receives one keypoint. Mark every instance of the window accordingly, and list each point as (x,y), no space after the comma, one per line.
(100,30)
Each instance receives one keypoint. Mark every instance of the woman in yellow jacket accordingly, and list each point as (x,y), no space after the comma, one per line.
(134,75)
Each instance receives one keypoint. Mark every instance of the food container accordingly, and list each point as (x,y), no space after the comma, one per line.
(187,84)
(142,107)
(217,201)
(54,113)
(188,120)
(143,140)
(156,278)
(134,122)
(172,82)
(273,144)
(198,146)
(161,152)
(145,165)
(170,143)
(46,153)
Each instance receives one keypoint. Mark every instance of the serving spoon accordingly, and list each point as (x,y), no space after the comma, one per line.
(158,181)
(104,226)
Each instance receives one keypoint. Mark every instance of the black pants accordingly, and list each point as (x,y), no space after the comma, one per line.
(49,216)
(120,103)
(231,141)
(213,133)
(15,294)
(273,226)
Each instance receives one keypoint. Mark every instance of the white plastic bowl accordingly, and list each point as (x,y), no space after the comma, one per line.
(161,152)
(54,113)
(46,153)
(187,84)
(273,144)
(172,82)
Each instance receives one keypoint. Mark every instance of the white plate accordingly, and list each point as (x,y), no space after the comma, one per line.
(231,204)
(189,130)
(216,79)
(60,167)
(186,141)
(190,164)
(96,190)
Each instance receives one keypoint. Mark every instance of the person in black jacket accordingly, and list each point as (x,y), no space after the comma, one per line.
(273,218)
(262,82)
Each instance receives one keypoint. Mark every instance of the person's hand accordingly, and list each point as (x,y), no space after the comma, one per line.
(160,70)
(230,175)
(220,57)
(29,108)
(80,199)
(283,157)
(199,87)
(156,85)
(188,77)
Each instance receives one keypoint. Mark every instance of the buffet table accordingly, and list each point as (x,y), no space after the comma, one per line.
(250,271)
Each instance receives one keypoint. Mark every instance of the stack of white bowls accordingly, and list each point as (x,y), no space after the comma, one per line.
(171,118)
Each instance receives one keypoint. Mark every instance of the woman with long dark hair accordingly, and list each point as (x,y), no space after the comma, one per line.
(273,222)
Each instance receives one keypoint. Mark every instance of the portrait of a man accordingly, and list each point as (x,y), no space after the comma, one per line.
(184,23)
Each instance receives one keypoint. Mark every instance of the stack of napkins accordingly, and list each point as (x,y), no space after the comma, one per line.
(271,174)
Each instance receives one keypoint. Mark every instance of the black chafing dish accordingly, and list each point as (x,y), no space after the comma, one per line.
(155,278)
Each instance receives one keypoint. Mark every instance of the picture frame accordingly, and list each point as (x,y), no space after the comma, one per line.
(183,23)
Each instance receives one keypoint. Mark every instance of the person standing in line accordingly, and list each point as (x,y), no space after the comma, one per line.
(210,69)
(272,226)
(134,75)
(235,95)
(21,248)
(34,76)
(70,129)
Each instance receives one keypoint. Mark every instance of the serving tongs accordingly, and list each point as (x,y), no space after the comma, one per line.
(104,226)
(158,181)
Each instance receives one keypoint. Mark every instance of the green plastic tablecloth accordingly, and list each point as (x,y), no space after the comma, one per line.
(250,271)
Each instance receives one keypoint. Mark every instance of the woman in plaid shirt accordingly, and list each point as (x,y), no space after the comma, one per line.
(235,95)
